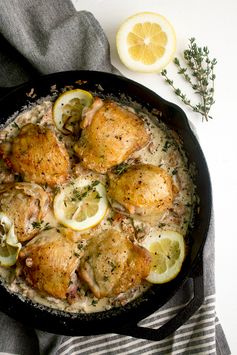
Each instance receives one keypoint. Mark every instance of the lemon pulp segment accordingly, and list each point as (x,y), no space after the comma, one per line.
(146,42)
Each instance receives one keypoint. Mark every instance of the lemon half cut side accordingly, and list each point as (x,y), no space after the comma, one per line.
(81,204)
(167,250)
(146,42)
(67,110)
(9,245)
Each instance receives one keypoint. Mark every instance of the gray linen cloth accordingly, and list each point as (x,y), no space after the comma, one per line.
(45,36)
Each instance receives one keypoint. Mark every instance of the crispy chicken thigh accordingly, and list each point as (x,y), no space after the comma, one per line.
(25,203)
(38,156)
(143,189)
(48,263)
(110,135)
(113,264)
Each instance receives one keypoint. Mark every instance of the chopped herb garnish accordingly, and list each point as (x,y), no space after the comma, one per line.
(112,264)
(174,171)
(57,189)
(166,146)
(95,183)
(77,255)
(98,196)
(77,195)
(120,169)
(15,125)
(37,225)
(94,302)
(47,227)
(110,220)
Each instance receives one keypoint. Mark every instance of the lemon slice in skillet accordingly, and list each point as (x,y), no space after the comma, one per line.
(67,109)
(81,204)
(146,42)
(168,252)
(9,245)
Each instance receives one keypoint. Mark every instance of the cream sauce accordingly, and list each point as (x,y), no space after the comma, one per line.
(164,150)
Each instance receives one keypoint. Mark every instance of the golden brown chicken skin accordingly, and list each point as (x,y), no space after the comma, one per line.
(113,264)
(110,135)
(143,189)
(48,263)
(38,156)
(25,204)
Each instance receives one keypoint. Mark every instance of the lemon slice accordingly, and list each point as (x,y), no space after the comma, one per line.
(146,42)
(168,252)
(9,246)
(67,109)
(81,204)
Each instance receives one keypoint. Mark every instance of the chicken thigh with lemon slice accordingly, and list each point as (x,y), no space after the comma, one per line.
(37,155)
(110,135)
(112,264)
(48,262)
(143,190)
(25,204)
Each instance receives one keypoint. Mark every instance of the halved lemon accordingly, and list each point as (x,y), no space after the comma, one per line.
(67,109)
(9,245)
(81,204)
(146,42)
(168,252)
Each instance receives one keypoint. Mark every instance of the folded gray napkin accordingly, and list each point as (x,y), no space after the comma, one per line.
(41,37)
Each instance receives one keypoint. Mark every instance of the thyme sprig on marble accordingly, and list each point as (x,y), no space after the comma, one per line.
(199,73)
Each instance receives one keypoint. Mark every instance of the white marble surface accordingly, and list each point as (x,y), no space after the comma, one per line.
(212,23)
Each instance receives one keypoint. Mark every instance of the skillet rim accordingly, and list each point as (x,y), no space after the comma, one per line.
(127,309)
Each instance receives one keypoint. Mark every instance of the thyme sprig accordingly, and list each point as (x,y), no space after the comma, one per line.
(199,73)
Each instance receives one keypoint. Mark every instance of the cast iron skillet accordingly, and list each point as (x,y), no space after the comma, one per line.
(122,320)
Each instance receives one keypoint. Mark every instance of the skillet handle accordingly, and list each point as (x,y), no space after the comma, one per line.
(179,319)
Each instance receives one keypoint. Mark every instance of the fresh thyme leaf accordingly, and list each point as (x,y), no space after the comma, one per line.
(199,73)
(94,302)
(166,146)
(120,169)
(47,227)
(77,195)
(41,227)
(15,125)
(37,225)
(98,197)
(57,189)
(95,183)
